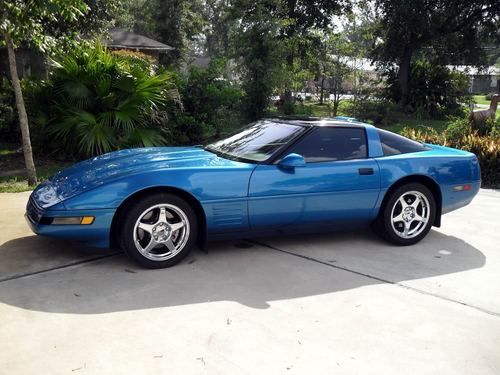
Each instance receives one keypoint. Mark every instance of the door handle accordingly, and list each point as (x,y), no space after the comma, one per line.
(365,171)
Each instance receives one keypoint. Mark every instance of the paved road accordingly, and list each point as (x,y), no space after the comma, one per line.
(344,303)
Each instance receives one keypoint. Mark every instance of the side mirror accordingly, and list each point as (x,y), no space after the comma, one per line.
(292,161)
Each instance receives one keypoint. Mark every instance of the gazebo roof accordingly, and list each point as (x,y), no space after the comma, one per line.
(121,38)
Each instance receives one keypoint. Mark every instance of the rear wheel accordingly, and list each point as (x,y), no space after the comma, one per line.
(158,230)
(408,214)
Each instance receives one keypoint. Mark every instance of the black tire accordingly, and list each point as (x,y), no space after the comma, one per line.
(384,223)
(134,213)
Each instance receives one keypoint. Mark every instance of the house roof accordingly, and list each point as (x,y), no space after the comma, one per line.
(121,38)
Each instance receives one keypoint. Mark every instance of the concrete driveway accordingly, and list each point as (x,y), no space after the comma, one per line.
(344,303)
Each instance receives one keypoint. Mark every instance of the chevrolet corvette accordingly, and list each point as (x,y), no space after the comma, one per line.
(276,176)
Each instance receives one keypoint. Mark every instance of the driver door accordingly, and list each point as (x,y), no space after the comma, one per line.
(338,182)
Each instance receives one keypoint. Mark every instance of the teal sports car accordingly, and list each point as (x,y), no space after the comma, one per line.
(276,176)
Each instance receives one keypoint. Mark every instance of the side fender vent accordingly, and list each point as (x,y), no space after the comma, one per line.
(226,215)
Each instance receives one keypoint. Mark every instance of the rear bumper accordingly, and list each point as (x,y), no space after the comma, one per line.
(96,234)
(453,200)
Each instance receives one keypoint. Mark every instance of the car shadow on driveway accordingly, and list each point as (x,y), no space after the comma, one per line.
(249,273)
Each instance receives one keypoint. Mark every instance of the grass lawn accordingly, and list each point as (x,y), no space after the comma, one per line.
(11,160)
(318,110)
(481,99)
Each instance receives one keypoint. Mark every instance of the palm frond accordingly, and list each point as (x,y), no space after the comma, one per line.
(100,101)
(145,137)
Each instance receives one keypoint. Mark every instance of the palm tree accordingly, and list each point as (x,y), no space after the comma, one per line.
(102,102)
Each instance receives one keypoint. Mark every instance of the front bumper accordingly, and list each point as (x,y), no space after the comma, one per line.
(96,234)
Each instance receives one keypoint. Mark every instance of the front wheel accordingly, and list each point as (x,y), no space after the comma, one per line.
(159,230)
(408,215)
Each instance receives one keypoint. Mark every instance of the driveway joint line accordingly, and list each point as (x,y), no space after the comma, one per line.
(376,278)
(15,277)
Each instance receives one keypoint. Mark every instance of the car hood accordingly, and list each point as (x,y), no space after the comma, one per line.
(101,169)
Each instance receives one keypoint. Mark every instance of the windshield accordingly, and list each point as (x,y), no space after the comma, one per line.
(258,142)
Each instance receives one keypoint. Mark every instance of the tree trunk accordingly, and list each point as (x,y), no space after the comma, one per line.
(404,75)
(322,95)
(335,109)
(290,57)
(23,117)
(336,97)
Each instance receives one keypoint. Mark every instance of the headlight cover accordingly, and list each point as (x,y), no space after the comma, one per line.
(45,195)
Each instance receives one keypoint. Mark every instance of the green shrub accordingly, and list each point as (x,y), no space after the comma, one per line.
(457,128)
(487,150)
(375,111)
(9,129)
(297,109)
(492,126)
(425,134)
(434,90)
(95,102)
(140,57)
(211,104)
(188,129)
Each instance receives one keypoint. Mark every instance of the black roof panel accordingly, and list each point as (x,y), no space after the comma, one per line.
(318,121)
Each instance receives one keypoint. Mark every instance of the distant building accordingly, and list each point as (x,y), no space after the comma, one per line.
(482,80)
(120,39)
(33,63)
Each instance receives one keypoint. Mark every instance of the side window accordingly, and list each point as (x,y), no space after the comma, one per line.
(331,144)
(394,144)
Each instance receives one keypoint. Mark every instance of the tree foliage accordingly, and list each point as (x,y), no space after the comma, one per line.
(176,23)
(274,44)
(433,89)
(210,104)
(426,27)
(218,28)
(27,22)
(99,16)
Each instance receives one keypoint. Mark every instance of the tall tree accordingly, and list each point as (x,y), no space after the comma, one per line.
(25,23)
(255,45)
(409,26)
(177,23)
(300,17)
(280,30)
(219,27)
(334,65)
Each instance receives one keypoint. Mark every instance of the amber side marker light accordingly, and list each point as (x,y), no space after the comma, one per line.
(87,220)
(74,220)
(462,188)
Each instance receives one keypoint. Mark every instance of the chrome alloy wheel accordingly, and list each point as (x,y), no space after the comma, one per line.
(161,232)
(410,214)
